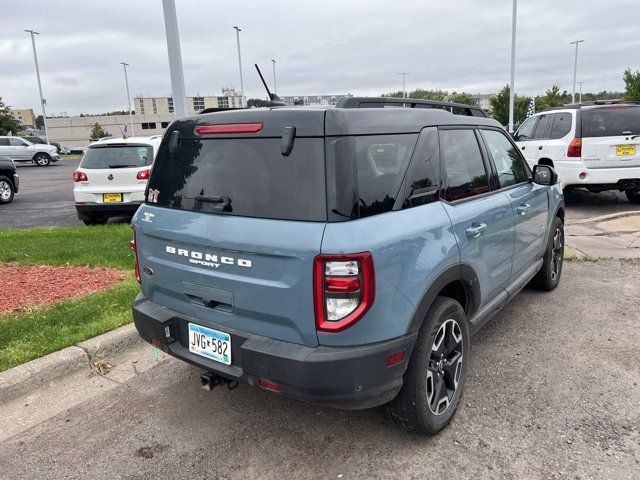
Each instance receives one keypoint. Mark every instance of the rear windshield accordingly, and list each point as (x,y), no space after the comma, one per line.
(244,177)
(611,121)
(118,156)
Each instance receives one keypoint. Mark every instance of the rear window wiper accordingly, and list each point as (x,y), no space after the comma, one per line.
(220,202)
(122,166)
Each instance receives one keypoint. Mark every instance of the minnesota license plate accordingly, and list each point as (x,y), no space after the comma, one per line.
(625,150)
(111,197)
(210,343)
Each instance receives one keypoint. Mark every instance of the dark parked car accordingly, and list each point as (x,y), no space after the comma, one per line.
(9,179)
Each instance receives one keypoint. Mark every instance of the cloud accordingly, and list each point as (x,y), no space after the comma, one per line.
(335,47)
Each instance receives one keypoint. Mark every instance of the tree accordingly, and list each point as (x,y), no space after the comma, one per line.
(462,98)
(500,105)
(98,132)
(551,99)
(7,122)
(420,94)
(632,85)
(256,102)
(39,122)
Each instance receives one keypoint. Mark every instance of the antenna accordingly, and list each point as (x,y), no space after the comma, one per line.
(272,96)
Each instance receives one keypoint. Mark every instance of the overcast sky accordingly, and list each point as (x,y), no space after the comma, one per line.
(320,47)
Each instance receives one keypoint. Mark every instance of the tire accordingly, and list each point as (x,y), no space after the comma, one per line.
(94,220)
(6,190)
(42,159)
(444,335)
(633,196)
(549,274)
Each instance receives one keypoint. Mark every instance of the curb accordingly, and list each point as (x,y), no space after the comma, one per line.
(602,218)
(28,377)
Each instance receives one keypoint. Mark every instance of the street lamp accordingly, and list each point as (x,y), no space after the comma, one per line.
(238,30)
(575,69)
(43,102)
(126,81)
(275,84)
(175,58)
(580,94)
(404,90)
(512,90)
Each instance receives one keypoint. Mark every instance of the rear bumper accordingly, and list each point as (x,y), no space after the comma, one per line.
(107,208)
(569,173)
(341,377)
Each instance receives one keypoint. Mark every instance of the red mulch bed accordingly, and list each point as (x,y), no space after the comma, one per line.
(24,287)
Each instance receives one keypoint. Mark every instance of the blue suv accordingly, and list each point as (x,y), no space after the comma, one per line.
(341,256)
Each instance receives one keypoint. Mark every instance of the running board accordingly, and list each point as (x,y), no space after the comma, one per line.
(487,312)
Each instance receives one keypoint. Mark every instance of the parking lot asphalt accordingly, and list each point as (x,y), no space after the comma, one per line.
(46,199)
(552,392)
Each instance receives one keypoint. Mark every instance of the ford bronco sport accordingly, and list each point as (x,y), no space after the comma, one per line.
(341,256)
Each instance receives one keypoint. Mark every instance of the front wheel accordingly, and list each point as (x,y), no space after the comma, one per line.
(633,196)
(548,276)
(42,159)
(6,190)
(435,376)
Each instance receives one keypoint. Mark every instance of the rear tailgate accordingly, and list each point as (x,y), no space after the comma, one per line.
(610,137)
(232,227)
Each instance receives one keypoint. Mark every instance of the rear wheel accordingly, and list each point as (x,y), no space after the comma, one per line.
(633,196)
(94,220)
(548,276)
(42,159)
(435,376)
(6,190)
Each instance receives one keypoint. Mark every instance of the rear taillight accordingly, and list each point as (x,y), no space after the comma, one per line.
(575,148)
(144,174)
(79,176)
(344,289)
(133,246)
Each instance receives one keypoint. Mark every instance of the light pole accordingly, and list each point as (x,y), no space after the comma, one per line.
(404,89)
(175,58)
(512,91)
(275,84)
(126,81)
(575,69)
(580,92)
(238,30)
(43,102)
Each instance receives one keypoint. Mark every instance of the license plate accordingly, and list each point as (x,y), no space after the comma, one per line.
(625,150)
(210,343)
(111,197)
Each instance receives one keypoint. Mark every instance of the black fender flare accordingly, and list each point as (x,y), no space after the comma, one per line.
(459,272)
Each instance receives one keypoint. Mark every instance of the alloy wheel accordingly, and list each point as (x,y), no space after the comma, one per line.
(445,366)
(5,190)
(557,253)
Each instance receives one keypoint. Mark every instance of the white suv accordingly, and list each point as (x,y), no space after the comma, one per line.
(112,177)
(597,146)
(21,150)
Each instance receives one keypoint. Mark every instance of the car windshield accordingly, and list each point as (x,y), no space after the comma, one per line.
(611,121)
(117,156)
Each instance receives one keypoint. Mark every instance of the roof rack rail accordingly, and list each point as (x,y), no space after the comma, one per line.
(380,102)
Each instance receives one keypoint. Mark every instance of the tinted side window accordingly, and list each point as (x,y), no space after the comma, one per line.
(381,161)
(16,142)
(422,177)
(4,142)
(561,125)
(509,164)
(463,166)
(525,132)
(542,127)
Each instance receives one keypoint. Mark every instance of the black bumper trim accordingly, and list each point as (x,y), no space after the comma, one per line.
(116,208)
(354,377)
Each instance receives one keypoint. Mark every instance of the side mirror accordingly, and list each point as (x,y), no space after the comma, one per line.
(544,175)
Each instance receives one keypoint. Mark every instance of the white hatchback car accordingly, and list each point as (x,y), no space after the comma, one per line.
(112,177)
(596,146)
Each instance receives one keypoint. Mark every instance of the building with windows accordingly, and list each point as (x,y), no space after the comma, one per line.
(24,116)
(312,100)
(230,98)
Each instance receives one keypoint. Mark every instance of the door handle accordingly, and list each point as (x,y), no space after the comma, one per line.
(522,209)
(476,230)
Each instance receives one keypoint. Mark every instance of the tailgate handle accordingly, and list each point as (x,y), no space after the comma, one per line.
(209,297)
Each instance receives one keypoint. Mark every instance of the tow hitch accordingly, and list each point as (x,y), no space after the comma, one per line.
(211,381)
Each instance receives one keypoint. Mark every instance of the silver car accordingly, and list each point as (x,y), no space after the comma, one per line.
(21,150)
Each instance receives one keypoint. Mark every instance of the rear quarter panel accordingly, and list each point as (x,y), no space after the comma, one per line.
(410,249)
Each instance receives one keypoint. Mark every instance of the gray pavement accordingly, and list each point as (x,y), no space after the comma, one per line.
(552,392)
